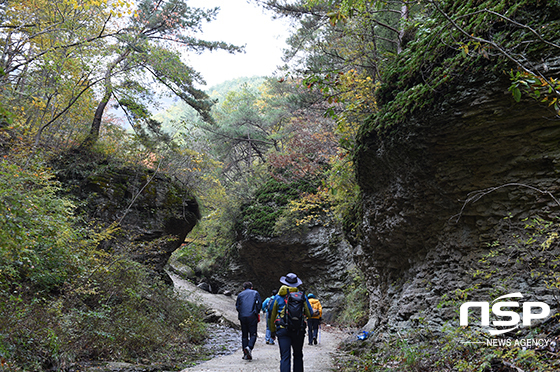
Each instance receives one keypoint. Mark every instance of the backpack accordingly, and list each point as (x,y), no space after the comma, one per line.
(293,311)
(316,307)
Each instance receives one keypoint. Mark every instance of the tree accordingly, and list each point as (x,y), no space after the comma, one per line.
(509,32)
(144,46)
(308,146)
(57,54)
(243,132)
(47,51)
(338,36)
(341,50)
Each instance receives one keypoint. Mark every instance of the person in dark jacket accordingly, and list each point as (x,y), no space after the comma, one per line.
(248,305)
(288,340)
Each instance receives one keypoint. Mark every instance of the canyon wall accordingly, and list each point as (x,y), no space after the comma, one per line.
(444,189)
(321,257)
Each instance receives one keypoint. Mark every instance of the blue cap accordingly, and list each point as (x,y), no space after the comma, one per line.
(311,295)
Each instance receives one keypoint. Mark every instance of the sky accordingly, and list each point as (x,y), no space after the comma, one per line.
(241,23)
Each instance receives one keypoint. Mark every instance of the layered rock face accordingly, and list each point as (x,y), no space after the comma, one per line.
(419,237)
(320,257)
(154,213)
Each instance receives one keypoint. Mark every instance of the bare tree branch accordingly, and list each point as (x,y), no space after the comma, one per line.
(475,196)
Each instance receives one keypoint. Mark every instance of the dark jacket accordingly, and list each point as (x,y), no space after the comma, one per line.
(248,303)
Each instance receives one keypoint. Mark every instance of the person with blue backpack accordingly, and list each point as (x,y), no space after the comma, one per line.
(287,322)
(267,309)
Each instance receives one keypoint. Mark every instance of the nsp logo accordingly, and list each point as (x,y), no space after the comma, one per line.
(497,307)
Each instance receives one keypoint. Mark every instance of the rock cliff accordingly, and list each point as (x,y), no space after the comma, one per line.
(420,236)
(320,257)
(153,212)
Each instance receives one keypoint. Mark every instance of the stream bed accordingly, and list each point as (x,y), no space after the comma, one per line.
(222,340)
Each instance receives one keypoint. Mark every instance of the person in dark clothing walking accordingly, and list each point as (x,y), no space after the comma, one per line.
(288,340)
(248,307)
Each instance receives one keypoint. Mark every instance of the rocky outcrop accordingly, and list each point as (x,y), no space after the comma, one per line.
(153,213)
(320,257)
(420,237)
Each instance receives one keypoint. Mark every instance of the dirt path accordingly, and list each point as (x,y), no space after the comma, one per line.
(316,358)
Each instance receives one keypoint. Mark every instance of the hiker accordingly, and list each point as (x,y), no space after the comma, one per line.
(267,309)
(248,307)
(315,320)
(290,329)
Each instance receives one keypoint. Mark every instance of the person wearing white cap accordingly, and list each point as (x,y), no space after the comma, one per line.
(289,339)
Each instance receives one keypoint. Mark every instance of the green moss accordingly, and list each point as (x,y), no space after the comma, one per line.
(440,54)
(174,196)
(260,219)
(260,216)
(281,193)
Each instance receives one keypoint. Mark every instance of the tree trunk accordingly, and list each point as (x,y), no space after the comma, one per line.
(404,17)
(96,124)
(93,135)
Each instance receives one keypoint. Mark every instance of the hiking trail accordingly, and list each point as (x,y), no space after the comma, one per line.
(316,358)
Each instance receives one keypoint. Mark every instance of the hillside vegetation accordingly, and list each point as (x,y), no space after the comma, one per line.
(356,135)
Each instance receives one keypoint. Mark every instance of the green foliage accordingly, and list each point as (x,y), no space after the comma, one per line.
(208,243)
(224,169)
(147,129)
(441,52)
(244,130)
(260,220)
(271,200)
(181,118)
(37,229)
(306,211)
(51,72)
(537,87)
(220,91)
(280,193)
(62,299)
(123,311)
(119,311)
(334,201)
(355,311)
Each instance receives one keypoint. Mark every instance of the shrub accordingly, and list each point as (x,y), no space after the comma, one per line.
(355,311)
(39,241)
(124,312)
(62,300)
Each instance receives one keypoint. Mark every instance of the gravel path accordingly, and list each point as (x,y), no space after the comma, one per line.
(316,358)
